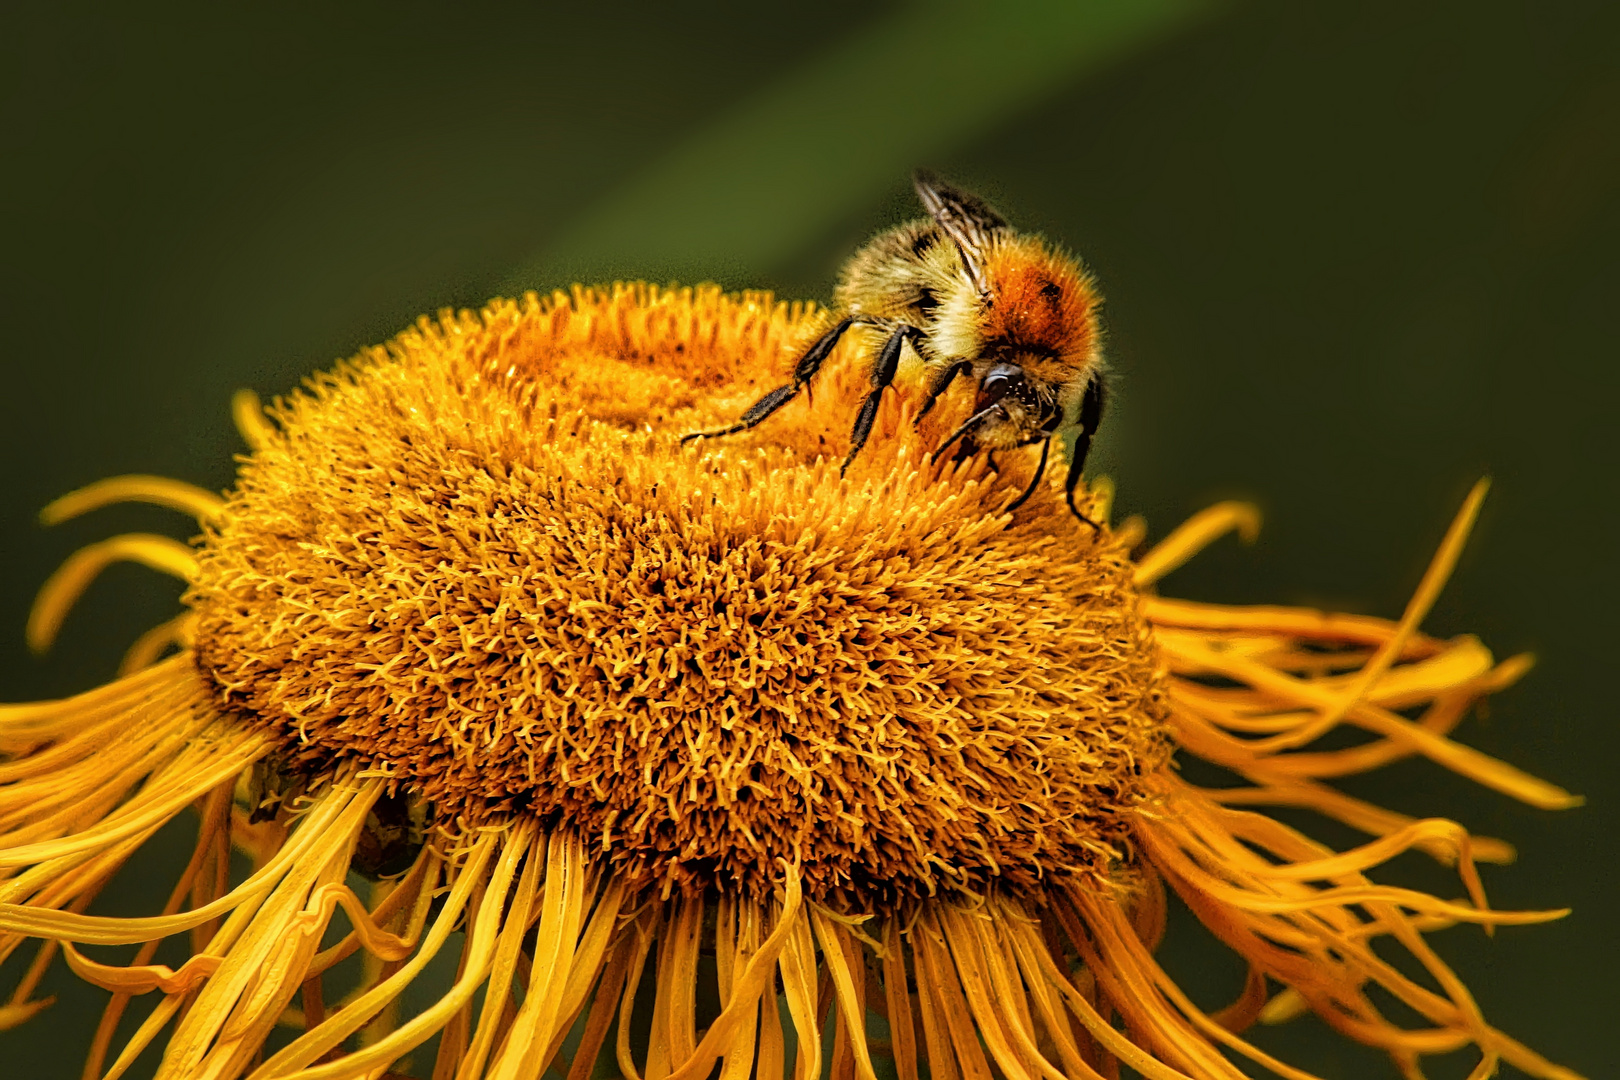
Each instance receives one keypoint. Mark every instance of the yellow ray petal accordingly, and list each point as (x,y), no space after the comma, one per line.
(1195,534)
(226,760)
(503,966)
(546,1006)
(1467,761)
(150,645)
(24,726)
(294,1059)
(750,983)
(1427,592)
(157,490)
(63,588)
(255,429)
(143,978)
(21,1012)
(838,963)
(328,813)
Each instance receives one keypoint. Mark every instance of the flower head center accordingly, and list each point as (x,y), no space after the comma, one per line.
(483,560)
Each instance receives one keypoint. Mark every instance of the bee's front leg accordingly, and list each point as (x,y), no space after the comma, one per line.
(1034,481)
(1091,409)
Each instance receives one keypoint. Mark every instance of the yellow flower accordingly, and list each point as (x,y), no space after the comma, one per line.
(867,748)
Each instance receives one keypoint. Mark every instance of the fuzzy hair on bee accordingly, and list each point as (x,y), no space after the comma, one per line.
(970,297)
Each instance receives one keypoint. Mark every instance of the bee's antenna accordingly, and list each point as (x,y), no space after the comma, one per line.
(967,425)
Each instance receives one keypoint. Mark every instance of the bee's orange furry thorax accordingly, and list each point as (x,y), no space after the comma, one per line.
(1042,301)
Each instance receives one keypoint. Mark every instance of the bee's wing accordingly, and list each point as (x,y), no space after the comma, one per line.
(965,218)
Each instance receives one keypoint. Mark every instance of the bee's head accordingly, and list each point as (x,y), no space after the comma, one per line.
(1013,405)
(1010,409)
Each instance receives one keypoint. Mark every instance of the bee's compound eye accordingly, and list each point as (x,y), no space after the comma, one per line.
(1000,380)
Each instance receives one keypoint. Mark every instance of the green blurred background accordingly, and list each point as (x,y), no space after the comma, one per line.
(1356,255)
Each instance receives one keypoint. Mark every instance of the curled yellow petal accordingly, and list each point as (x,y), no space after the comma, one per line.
(151,645)
(1465,760)
(1195,534)
(1428,591)
(157,490)
(63,588)
(250,420)
(144,978)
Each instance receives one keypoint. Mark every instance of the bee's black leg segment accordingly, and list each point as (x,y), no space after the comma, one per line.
(1091,408)
(943,383)
(888,362)
(863,427)
(1040,471)
(758,411)
(811,361)
(803,371)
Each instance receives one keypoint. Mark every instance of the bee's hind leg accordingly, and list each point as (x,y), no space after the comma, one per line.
(888,362)
(803,372)
(1091,407)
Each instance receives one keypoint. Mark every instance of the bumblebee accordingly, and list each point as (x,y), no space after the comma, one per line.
(971,297)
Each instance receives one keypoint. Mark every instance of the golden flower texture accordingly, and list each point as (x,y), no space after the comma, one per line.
(707,751)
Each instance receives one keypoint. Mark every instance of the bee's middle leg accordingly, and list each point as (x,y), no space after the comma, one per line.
(803,372)
(941,384)
(888,362)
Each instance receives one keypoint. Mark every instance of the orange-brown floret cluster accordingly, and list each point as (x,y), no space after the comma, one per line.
(481,560)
